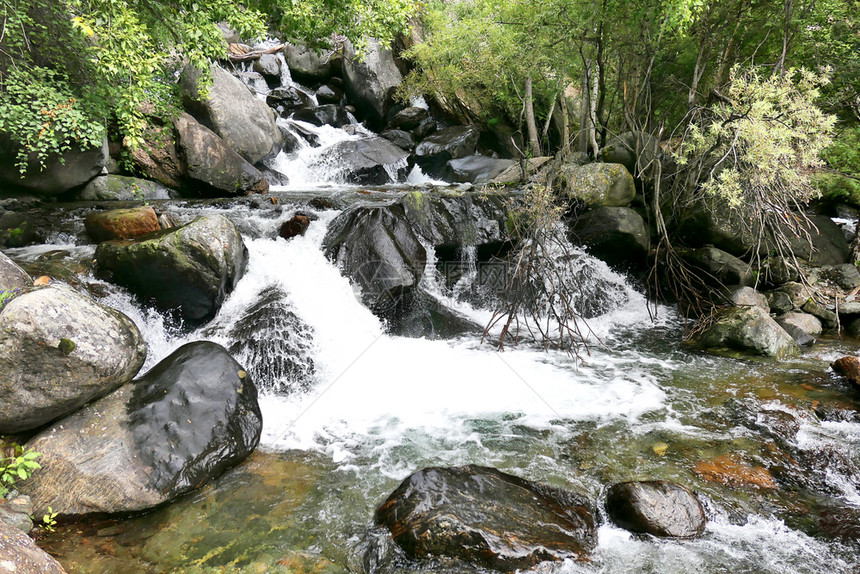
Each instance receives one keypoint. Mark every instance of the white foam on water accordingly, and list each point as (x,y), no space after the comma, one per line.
(759,546)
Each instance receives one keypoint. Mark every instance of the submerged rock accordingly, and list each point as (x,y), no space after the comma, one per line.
(656,507)
(749,329)
(20,555)
(191,417)
(848,367)
(121,223)
(58,350)
(188,269)
(488,518)
(731,472)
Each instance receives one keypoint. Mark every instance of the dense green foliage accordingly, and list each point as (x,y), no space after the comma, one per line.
(841,181)
(73,70)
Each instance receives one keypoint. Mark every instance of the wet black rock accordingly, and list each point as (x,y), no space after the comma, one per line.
(407,119)
(437,150)
(329,114)
(186,421)
(488,518)
(366,161)
(616,235)
(329,94)
(379,251)
(656,507)
(399,138)
(288,98)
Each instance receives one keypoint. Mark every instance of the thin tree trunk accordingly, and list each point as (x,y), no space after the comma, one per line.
(592,117)
(730,46)
(531,126)
(701,64)
(565,123)
(583,110)
(779,68)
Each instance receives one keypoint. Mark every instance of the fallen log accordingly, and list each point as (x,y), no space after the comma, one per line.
(237,52)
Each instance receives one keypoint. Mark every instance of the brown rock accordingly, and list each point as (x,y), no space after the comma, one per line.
(848,367)
(295,226)
(121,223)
(43,280)
(158,159)
(727,470)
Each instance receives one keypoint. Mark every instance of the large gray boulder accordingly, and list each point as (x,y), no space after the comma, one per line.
(437,150)
(488,518)
(58,350)
(123,188)
(191,417)
(229,109)
(20,555)
(213,165)
(616,235)
(656,507)
(596,184)
(720,267)
(60,173)
(188,270)
(370,82)
(12,277)
(749,329)
(630,147)
(308,65)
(366,161)
(476,169)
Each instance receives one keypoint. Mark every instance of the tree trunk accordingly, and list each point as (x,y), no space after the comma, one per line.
(592,116)
(531,126)
(779,68)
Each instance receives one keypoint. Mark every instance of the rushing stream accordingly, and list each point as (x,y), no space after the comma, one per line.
(355,410)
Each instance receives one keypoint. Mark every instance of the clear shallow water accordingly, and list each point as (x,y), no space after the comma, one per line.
(378,407)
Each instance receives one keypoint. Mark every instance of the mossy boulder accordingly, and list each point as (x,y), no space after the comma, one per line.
(188,270)
(596,184)
(123,188)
